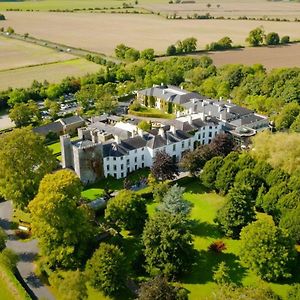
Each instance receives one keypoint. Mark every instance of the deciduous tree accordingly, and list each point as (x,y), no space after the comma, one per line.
(107,269)
(62,226)
(127,210)
(24,160)
(267,250)
(167,244)
(164,167)
(237,212)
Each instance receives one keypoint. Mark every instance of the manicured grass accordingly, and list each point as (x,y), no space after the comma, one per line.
(10,288)
(151,113)
(97,189)
(200,280)
(55,148)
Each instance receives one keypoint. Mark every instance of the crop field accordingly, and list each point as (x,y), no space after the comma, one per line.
(270,57)
(226,8)
(234,8)
(102,32)
(53,72)
(16,54)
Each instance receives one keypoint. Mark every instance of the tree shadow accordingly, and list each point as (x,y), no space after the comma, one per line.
(33,280)
(204,229)
(5,224)
(207,261)
(27,256)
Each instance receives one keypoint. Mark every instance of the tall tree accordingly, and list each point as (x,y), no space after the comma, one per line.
(24,160)
(167,244)
(174,203)
(237,212)
(23,114)
(107,269)
(62,226)
(267,250)
(222,144)
(164,167)
(290,221)
(210,171)
(256,37)
(127,210)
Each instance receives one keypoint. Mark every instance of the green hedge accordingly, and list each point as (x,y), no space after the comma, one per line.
(151,115)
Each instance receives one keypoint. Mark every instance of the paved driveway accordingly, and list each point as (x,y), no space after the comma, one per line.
(27,251)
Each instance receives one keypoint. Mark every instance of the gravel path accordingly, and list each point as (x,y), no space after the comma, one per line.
(27,252)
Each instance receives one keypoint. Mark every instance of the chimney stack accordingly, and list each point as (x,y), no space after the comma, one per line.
(173,129)
(161,132)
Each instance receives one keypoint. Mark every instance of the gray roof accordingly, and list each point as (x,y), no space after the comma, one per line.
(55,127)
(134,143)
(123,134)
(170,93)
(72,120)
(246,120)
(113,149)
(156,141)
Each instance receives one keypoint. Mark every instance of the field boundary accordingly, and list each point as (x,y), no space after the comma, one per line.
(57,46)
(41,64)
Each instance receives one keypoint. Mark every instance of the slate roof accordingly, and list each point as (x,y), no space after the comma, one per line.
(156,141)
(55,127)
(248,120)
(124,134)
(170,93)
(113,149)
(72,120)
(134,143)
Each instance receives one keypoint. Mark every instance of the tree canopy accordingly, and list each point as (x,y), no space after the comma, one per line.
(24,160)
(107,269)
(127,210)
(164,167)
(62,226)
(268,250)
(167,244)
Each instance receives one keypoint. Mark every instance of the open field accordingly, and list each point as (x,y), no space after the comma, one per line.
(270,57)
(53,72)
(233,8)
(102,32)
(16,54)
(227,8)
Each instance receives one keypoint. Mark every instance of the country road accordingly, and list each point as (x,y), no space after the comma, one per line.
(27,252)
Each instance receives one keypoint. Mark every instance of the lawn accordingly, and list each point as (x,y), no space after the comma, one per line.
(200,282)
(10,288)
(151,113)
(97,189)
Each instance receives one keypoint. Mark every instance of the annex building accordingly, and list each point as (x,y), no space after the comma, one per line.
(107,146)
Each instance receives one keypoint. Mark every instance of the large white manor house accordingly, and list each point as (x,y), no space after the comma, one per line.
(109,146)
